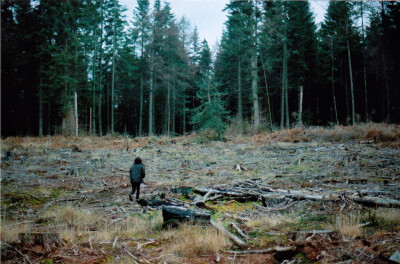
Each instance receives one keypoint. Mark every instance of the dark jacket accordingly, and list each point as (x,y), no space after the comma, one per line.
(137,173)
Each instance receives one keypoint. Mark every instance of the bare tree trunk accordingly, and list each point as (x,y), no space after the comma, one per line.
(113,75)
(48,118)
(364,62)
(141,90)
(76,115)
(141,106)
(240,104)
(99,116)
(108,104)
(283,90)
(333,86)
(94,82)
(40,110)
(168,110)
(151,101)
(266,88)
(101,75)
(387,88)
(353,111)
(184,112)
(301,105)
(173,109)
(90,120)
(254,86)
(285,82)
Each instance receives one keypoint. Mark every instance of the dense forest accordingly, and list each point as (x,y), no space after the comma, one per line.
(273,68)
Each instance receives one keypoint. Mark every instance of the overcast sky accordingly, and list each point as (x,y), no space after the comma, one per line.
(208,16)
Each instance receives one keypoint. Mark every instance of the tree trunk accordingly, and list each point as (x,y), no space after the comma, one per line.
(173,109)
(284,95)
(40,110)
(387,88)
(283,89)
(301,106)
(353,111)
(151,101)
(101,74)
(254,85)
(113,74)
(108,104)
(141,105)
(168,109)
(184,112)
(48,118)
(240,106)
(286,90)
(333,86)
(99,116)
(266,88)
(141,89)
(94,83)
(364,63)
(76,115)
(90,120)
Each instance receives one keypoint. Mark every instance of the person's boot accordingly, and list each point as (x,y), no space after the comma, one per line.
(130,198)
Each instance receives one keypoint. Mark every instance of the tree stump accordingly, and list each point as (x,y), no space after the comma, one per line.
(49,241)
(176,214)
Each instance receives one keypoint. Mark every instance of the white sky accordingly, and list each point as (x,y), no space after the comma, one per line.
(208,16)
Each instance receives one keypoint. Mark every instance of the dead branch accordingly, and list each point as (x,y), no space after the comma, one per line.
(19,252)
(231,236)
(240,231)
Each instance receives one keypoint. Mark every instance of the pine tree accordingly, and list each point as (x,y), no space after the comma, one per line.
(339,36)
(141,31)
(210,116)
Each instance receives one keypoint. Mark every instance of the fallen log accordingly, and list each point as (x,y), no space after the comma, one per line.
(231,236)
(176,214)
(276,196)
(376,201)
(263,251)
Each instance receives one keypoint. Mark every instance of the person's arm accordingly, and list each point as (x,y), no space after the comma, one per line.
(143,172)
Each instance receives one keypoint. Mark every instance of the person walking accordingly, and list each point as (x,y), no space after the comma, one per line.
(136,173)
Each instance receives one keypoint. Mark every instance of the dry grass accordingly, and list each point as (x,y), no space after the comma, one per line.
(349,225)
(74,224)
(390,216)
(130,227)
(9,233)
(268,221)
(191,240)
(378,132)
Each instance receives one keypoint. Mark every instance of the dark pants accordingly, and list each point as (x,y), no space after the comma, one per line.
(135,187)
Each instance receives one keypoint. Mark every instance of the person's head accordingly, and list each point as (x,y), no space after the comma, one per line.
(138,160)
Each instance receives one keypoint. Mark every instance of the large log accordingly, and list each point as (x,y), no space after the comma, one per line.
(376,201)
(273,196)
(174,214)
